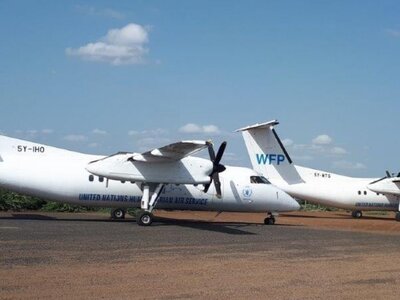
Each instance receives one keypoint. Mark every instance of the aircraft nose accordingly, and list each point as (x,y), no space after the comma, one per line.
(288,202)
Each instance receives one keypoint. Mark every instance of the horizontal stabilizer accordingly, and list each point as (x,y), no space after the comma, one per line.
(259,126)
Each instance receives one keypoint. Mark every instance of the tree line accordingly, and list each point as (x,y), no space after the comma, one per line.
(18,202)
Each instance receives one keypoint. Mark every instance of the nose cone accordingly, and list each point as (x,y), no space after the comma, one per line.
(288,203)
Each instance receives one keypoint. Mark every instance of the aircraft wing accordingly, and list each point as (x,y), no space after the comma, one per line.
(171,152)
(386,185)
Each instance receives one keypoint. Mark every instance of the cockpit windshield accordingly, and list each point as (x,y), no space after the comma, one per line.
(259,179)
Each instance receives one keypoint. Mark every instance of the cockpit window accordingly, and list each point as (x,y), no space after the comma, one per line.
(259,179)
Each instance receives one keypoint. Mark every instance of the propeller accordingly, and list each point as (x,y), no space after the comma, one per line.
(388,175)
(217,167)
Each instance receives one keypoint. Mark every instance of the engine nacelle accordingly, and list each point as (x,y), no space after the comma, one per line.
(189,170)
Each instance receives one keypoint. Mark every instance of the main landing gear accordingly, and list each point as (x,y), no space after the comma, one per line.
(269,220)
(145,216)
(118,214)
(357,214)
(397,216)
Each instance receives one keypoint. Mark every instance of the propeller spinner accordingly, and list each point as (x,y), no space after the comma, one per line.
(217,167)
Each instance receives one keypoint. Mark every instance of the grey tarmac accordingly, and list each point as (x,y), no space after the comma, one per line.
(81,256)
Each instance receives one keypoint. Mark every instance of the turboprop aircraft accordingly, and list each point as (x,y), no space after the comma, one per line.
(270,158)
(166,178)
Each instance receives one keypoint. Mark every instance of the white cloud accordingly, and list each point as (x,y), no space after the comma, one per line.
(47,131)
(99,131)
(133,132)
(322,139)
(338,151)
(190,128)
(149,143)
(210,129)
(301,157)
(393,32)
(146,140)
(32,131)
(75,138)
(33,134)
(194,128)
(101,12)
(150,132)
(120,46)
(93,145)
(347,165)
(287,142)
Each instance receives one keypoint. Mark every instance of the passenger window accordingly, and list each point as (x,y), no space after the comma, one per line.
(91,178)
(359,192)
(259,179)
(365,192)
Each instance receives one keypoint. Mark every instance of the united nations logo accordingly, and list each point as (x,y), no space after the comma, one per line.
(247,192)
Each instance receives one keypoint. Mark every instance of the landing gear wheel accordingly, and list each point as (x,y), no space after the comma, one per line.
(398,216)
(356,214)
(118,214)
(269,221)
(144,218)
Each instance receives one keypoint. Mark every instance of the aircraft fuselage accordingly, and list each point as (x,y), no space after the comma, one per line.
(60,175)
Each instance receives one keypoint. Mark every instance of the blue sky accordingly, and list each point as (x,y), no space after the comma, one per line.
(104,76)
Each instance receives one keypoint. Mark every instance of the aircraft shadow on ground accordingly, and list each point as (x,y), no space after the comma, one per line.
(338,217)
(224,227)
(41,217)
(313,217)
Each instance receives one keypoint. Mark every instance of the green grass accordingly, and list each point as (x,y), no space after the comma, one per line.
(305,206)
(10,201)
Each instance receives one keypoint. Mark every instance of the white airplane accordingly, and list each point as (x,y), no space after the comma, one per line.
(167,177)
(270,158)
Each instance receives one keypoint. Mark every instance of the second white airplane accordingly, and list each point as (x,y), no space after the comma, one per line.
(270,158)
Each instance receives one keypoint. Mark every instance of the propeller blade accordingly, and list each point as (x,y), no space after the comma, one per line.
(220,153)
(211,151)
(217,185)
(206,187)
(398,174)
(388,174)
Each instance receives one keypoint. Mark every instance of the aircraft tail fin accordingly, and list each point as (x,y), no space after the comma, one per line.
(267,153)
